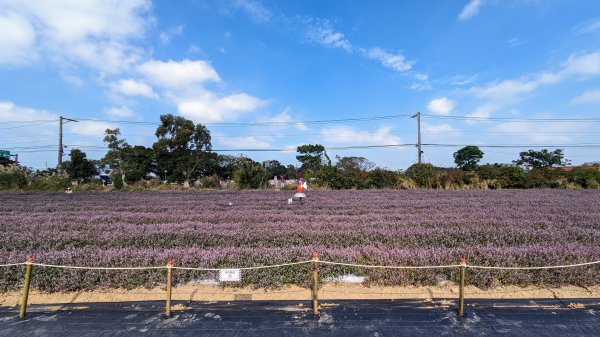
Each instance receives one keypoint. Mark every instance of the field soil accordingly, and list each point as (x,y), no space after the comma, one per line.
(331,291)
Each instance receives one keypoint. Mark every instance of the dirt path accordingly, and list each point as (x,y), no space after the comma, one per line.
(330,291)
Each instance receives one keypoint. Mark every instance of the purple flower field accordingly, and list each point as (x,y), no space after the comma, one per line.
(384,227)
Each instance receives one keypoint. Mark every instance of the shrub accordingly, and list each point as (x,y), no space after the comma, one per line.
(12,177)
(117,181)
(425,175)
(585,177)
(381,178)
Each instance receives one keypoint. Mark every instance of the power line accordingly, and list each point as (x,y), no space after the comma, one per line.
(26,126)
(582,145)
(31,121)
(367,133)
(513,119)
(246,124)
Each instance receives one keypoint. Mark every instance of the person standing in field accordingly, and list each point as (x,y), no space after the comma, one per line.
(300,189)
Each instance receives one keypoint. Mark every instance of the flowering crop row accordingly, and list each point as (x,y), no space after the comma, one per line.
(227,229)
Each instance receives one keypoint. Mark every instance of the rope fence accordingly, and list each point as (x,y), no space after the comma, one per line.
(463,266)
(304,262)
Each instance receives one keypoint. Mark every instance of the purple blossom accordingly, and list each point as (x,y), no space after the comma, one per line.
(384,227)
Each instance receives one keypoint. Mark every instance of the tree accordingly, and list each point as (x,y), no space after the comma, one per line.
(181,146)
(274,168)
(226,165)
(250,174)
(5,161)
(542,159)
(140,162)
(117,157)
(312,157)
(291,172)
(354,164)
(79,167)
(468,157)
(424,175)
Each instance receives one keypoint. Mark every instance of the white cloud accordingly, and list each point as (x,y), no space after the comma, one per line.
(470,10)
(177,75)
(94,33)
(193,49)
(349,135)
(285,118)
(18,39)
(500,94)
(121,112)
(530,131)
(439,128)
(510,89)
(88,128)
(11,112)
(207,107)
(131,87)
(439,132)
(166,36)
(460,80)
(70,21)
(583,64)
(515,42)
(589,27)
(440,106)
(246,141)
(106,56)
(592,96)
(255,10)
(389,60)
(322,32)
(74,80)
(420,86)
(183,84)
(421,77)
(483,111)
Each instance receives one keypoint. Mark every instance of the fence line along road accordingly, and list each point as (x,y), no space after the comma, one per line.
(304,262)
(315,278)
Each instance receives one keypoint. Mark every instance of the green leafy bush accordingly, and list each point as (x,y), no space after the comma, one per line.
(585,177)
(12,178)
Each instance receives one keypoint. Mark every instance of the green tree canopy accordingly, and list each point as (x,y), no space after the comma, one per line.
(468,157)
(79,167)
(250,174)
(354,164)
(274,168)
(119,153)
(140,162)
(543,158)
(181,146)
(312,157)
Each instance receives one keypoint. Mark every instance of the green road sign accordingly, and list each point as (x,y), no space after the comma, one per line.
(4,154)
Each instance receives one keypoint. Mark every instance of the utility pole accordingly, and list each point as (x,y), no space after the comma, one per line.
(418,116)
(60,137)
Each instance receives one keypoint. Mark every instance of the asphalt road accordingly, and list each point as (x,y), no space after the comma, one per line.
(573,317)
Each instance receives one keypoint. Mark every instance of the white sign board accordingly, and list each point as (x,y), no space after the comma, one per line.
(230,275)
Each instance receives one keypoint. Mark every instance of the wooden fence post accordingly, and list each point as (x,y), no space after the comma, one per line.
(461,289)
(169,286)
(315,294)
(26,288)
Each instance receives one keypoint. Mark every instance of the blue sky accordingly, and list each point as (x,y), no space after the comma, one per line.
(259,74)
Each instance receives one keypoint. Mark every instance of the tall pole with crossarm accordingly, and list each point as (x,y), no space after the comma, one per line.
(60,137)
(418,117)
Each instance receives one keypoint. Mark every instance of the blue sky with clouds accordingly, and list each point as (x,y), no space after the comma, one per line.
(260,73)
